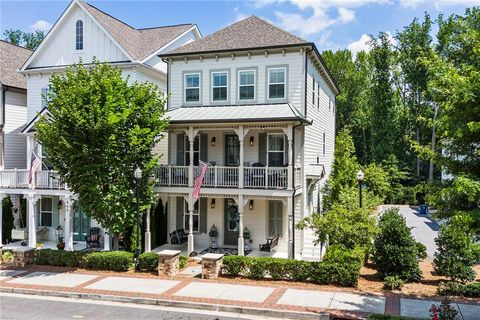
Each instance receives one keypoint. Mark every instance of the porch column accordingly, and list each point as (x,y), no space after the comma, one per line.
(32,225)
(190,202)
(241,242)
(240,167)
(191,139)
(106,241)
(67,230)
(290,157)
(291,229)
(148,240)
(2,196)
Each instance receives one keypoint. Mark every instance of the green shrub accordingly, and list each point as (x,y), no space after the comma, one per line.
(457,252)
(396,252)
(421,251)
(109,260)
(7,256)
(148,261)
(183,261)
(340,266)
(58,258)
(453,288)
(393,283)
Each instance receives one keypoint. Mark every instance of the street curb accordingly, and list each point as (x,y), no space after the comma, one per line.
(174,304)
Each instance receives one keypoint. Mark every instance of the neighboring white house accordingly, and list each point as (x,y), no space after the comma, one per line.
(258,105)
(82,32)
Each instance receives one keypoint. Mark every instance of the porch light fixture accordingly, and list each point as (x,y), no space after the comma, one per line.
(212,143)
(212,204)
(251,141)
(250,205)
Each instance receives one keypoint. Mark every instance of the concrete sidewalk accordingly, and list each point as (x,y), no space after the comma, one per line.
(230,295)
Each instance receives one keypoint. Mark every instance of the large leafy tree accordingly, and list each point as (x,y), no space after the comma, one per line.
(100,129)
(29,40)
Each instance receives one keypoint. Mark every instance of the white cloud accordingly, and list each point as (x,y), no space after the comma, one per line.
(360,45)
(41,25)
(363,44)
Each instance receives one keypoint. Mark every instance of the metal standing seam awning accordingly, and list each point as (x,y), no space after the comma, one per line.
(237,113)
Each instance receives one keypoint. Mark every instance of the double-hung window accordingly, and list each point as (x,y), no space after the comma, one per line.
(318,96)
(196,218)
(324,143)
(276,150)
(276,83)
(220,86)
(46,212)
(313,92)
(79,35)
(246,85)
(192,87)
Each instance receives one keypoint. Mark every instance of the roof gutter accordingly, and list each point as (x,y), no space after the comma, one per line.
(302,120)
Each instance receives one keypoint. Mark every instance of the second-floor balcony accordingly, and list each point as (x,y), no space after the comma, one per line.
(20,179)
(250,177)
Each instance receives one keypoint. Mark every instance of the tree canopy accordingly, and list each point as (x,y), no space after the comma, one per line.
(100,128)
(29,40)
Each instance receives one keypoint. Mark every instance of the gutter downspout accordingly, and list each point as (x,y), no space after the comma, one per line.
(2,126)
(294,189)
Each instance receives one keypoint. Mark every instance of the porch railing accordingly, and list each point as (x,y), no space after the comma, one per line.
(172,175)
(19,179)
(226,177)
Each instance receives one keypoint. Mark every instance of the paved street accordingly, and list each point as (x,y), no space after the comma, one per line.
(20,307)
(424,230)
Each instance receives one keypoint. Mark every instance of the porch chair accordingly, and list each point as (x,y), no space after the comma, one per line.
(272,242)
(178,237)
(257,177)
(93,239)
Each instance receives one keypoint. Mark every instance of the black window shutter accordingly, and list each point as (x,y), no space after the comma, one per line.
(262,148)
(203,214)
(180,212)
(204,147)
(180,149)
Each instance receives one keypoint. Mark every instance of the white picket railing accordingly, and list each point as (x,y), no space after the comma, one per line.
(19,179)
(266,177)
(172,175)
(218,176)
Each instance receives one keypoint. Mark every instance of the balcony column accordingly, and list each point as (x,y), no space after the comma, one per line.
(241,241)
(32,225)
(191,139)
(2,196)
(67,229)
(190,246)
(240,167)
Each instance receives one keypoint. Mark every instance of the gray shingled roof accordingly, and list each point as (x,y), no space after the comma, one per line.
(12,58)
(243,113)
(139,43)
(252,32)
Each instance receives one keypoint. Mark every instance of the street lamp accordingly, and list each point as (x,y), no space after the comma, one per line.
(360,180)
(138,180)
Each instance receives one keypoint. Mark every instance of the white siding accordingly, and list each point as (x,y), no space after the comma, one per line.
(60,47)
(295,76)
(323,117)
(15,120)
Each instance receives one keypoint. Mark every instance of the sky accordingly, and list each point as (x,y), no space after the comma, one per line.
(331,24)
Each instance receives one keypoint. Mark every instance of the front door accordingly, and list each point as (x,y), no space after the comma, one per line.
(81,225)
(232,150)
(231,222)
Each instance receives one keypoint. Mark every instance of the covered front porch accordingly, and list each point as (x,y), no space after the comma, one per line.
(239,221)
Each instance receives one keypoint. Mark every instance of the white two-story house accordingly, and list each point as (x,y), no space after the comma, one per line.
(258,105)
(87,33)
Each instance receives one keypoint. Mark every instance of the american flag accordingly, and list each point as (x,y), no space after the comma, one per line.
(34,165)
(199,179)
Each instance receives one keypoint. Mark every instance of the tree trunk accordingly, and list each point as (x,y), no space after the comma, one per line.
(115,242)
(417,138)
(430,170)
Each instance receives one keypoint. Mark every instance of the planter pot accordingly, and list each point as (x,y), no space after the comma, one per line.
(214,243)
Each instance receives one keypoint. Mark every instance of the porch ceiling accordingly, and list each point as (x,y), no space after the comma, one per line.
(232,114)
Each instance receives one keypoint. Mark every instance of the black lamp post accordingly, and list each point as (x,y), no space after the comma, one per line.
(360,180)
(138,180)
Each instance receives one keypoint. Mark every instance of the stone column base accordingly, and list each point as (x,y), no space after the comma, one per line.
(211,265)
(23,256)
(168,262)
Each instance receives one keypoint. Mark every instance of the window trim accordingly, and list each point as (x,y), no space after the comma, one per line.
(324,144)
(255,85)
(40,212)
(81,34)
(186,149)
(285,83)
(184,81)
(195,213)
(313,91)
(276,151)
(212,73)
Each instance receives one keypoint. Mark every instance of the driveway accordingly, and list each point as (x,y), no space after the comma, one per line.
(424,229)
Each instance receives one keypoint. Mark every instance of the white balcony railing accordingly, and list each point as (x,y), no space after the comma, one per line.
(226,177)
(19,179)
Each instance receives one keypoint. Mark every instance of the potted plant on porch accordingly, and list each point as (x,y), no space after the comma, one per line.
(213,234)
(246,237)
